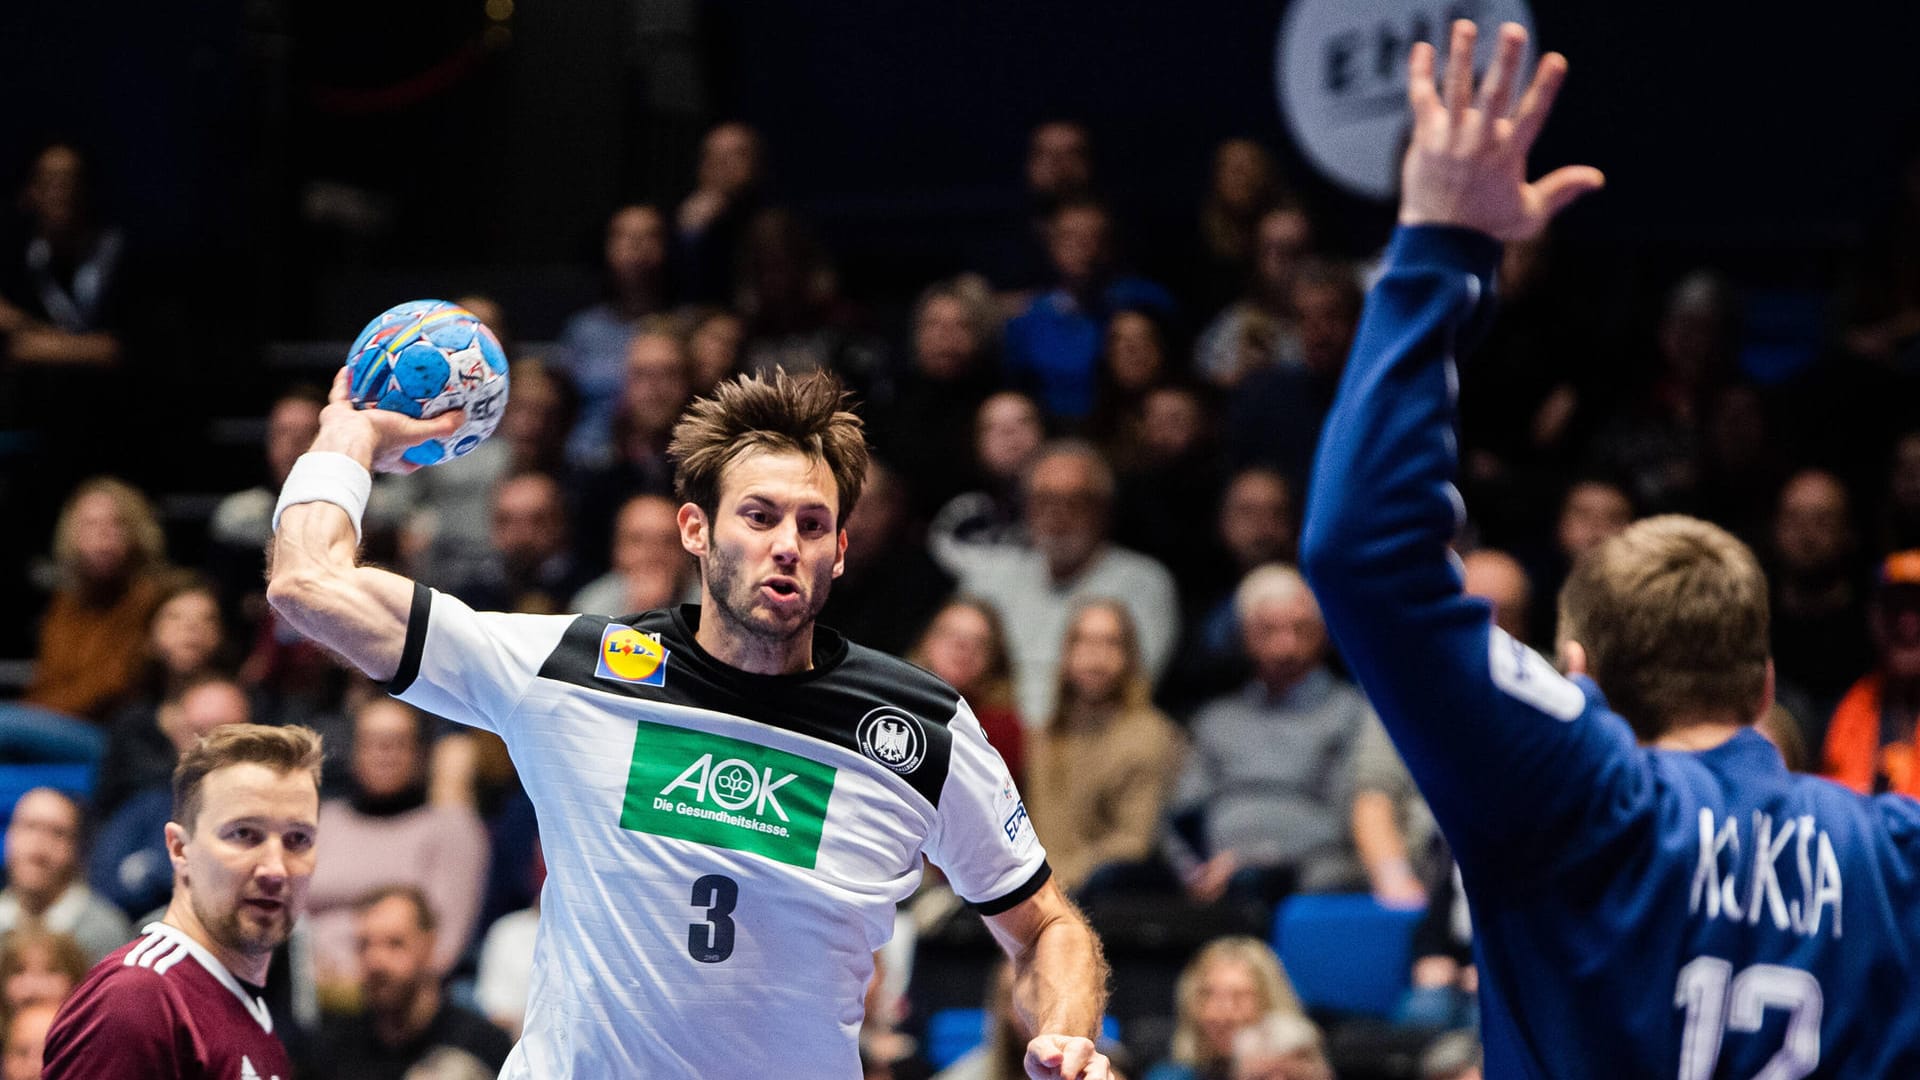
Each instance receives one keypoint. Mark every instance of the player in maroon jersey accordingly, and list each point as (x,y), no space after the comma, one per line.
(183,1000)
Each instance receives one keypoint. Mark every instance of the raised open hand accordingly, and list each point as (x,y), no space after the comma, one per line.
(1466,163)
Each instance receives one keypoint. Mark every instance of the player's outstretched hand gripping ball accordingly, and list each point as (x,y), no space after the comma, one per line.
(423,358)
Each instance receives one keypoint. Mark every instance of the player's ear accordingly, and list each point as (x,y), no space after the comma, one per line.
(1766,694)
(693,529)
(1573,658)
(176,837)
(840,555)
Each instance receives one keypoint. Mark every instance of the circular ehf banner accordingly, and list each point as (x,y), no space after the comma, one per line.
(1340,69)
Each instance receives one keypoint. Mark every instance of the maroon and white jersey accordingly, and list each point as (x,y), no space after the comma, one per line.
(163,1008)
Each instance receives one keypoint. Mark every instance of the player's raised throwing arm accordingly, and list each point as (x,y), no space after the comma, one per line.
(1486,726)
(315,584)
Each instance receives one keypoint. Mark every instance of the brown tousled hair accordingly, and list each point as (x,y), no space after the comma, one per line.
(806,413)
(1672,614)
(282,749)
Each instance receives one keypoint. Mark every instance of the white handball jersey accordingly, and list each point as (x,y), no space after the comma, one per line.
(724,850)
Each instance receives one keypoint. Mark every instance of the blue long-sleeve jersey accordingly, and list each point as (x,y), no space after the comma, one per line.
(1638,912)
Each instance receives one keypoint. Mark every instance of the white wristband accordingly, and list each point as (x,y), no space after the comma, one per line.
(329,477)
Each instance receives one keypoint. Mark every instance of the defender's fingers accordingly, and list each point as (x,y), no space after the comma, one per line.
(1422,97)
(342,383)
(1459,77)
(1496,90)
(1531,116)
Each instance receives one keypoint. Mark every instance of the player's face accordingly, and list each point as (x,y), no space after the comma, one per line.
(774,547)
(248,861)
(1096,659)
(42,843)
(1229,1000)
(395,954)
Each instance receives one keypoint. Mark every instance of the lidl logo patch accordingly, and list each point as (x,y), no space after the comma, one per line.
(630,656)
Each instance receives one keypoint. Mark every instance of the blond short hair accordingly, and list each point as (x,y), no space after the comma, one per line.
(282,749)
(1672,613)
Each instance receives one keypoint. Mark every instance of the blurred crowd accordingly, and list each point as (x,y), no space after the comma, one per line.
(1091,477)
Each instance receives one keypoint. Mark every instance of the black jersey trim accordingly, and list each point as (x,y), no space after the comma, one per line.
(1018,896)
(409,669)
(828,702)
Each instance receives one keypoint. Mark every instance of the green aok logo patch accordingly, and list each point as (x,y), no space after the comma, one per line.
(713,790)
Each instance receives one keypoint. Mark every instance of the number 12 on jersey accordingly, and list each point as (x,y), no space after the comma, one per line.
(1718,1001)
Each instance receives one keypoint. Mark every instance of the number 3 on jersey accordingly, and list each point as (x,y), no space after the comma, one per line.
(1718,1001)
(712,941)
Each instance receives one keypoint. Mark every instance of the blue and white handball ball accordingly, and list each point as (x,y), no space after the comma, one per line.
(423,358)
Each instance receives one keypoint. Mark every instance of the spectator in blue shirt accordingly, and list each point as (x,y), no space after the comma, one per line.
(1054,346)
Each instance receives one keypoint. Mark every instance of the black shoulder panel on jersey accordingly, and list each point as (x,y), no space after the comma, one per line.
(883,708)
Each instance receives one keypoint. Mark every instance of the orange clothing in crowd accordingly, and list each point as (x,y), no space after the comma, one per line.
(1853,755)
(91,653)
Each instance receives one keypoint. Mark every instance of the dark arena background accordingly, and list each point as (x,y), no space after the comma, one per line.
(1730,329)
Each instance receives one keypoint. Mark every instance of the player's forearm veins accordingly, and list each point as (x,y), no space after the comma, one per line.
(1060,981)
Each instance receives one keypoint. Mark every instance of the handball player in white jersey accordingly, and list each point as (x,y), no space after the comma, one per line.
(732,799)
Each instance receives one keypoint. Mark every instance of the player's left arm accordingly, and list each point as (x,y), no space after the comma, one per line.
(315,582)
(1059,983)
(985,843)
(1518,764)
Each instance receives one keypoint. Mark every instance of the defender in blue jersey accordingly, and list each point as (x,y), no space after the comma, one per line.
(1654,894)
